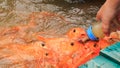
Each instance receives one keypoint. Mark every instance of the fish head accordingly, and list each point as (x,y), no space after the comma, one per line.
(76,33)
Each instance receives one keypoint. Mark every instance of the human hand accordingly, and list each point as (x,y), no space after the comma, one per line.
(118,16)
(107,14)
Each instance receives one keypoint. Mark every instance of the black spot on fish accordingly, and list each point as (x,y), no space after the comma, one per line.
(43,44)
(72,44)
(46,54)
(95,45)
(74,30)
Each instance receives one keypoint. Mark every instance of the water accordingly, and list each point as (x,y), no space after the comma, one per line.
(80,13)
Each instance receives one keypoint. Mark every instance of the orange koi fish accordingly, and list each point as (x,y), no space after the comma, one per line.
(76,33)
(78,52)
(21,46)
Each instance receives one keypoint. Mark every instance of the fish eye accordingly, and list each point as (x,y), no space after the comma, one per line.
(72,44)
(74,30)
(43,44)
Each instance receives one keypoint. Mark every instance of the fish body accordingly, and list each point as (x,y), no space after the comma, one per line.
(23,47)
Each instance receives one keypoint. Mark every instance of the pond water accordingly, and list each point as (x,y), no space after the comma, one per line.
(79,13)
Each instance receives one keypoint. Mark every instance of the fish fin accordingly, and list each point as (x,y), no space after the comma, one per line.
(41,38)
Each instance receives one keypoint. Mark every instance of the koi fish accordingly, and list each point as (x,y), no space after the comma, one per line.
(60,52)
(24,49)
(82,53)
(76,33)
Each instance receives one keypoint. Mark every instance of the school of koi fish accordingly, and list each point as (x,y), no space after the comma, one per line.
(21,48)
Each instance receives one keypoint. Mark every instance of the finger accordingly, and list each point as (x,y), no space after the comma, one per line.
(99,13)
(106,27)
(118,17)
(106,30)
(98,16)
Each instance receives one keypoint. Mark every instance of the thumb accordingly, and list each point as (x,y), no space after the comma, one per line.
(98,17)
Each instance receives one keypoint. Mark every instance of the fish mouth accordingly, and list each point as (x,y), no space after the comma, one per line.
(83,40)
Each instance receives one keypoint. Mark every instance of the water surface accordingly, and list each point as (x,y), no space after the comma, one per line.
(80,13)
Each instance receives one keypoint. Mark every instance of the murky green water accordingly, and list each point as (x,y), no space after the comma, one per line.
(79,12)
